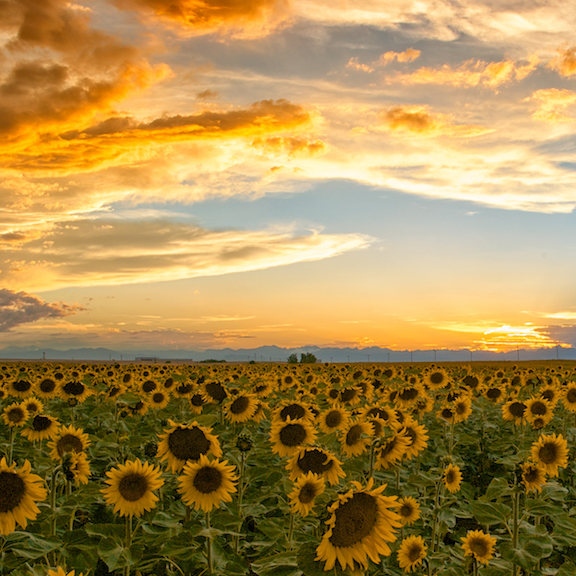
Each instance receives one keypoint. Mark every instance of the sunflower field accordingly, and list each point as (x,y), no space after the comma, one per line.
(288,470)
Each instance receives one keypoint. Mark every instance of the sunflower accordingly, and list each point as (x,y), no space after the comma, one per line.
(306,488)
(494,393)
(19,492)
(196,403)
(214,392)
(417,437)
(462,408)
(15,415)
(241,408)
(350,395)
(33,405)
(68,439)
(551,452)
(318,461)
(42,427)
(538,409)
(479,545)
(533,477)
(385,413)
(333,419)
(181,444)
(60,572)
(409,510)
(158,400)
(452,478)
(79,467)
(391,450)
(446,413)
(260,413)
(131,487)
(206,484)
(356,437)
(287,437)
(21,388)
(408,395)
(77,390)
(514,411)
(294,410)
(363,521)
(569,397)
(411,553)
(146,387)
(436,379)
(47,388)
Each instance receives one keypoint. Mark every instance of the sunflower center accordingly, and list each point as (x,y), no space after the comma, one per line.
(437,378)
(548,453)
(531,475)
(74,388)
(450,477)
(207,480)
(471,381)
(15,414)
(414,552)
(148,386)
(133,487)
(126,378)
(479,547)
(240,405)
(216,391)
(188,443)
(158,398)
(307,493)
(571,395)
(538,408)
(183,389)
(21,386)
(197,400)
(47,385)
(293,411)
(493,393)
(447,413)
(354,520)
(348,394)
(41,423)
(315,461)
(333,419)
(292,435)
(354,435)
(12,490)
(69,443)
(405,510)
(408,394)
(517,409)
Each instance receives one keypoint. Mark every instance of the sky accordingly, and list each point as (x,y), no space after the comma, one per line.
(202,174)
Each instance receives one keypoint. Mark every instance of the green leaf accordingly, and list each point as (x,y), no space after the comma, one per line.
(110,551)
(497,488)
(35,546)
(567,569)
(540,507)
(564,533)
(530,550)
(489,513)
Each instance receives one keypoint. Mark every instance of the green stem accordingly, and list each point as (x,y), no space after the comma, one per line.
(209,546)
(240,498)
(397,472)
(372,454)
(451,439)
(290,530)
(475,567)
(515,525)
(187,515)
(53,486)
(11,446)
(435,512)
(128,540)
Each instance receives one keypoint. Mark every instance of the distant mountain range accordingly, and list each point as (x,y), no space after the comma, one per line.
(277,354)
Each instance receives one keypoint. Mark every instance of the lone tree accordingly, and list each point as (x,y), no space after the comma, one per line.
(307,358)
(293,359)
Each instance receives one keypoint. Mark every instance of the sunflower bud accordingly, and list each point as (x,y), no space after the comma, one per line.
(244,442)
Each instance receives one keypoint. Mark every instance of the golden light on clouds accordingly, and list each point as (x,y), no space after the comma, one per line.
(509,337)
(565,62)
(552,104)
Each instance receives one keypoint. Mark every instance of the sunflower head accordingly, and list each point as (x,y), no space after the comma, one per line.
(408,510)
(411,553)
(479,545)
(551,453)
(533,477)
(452,478)
(306,488)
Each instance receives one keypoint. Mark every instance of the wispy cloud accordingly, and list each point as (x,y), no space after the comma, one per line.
(552,104)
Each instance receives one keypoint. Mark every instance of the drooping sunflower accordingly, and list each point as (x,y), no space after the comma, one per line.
(551,452)
(19,492)
(316,460)
(287,437)
(181,444)
(306,488)
(452,478)
(538,408)
(68,439)
(42,427)
(569,397)
(408,510)
(333,419)
(514,411)
(131,487)
(479,545)
(411,553)
(533,477)
(363,521)
(356,437)
(241,408)
(391,450)
(15,415)
(205,484)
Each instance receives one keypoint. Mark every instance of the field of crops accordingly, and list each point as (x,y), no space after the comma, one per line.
(288,470)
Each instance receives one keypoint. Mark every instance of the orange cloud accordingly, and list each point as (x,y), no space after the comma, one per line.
(471,73)
(293,147)
(239,18)
(355,65)
(565,62)
(408,56)
(552,104)
(107,141)
(417,120)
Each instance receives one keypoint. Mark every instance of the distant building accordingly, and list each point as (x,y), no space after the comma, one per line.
(147,359)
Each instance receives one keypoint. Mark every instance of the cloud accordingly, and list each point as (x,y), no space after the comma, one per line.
(565,62)
(18,308)
(565,334)
(417,120)
(552,103)
(407,56)
(293,147)
(355,65)
(99,252)
(236,18)
(469,74)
